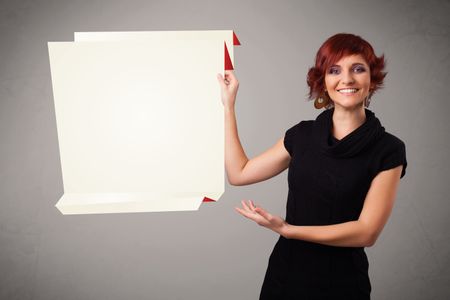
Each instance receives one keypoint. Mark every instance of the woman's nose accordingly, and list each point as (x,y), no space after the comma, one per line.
(347,78)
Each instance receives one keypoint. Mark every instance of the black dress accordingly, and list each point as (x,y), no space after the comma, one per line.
(328,180)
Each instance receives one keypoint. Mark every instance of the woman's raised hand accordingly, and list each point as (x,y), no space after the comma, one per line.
(229,86)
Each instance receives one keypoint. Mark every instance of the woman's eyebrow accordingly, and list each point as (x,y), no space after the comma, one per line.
(354,64)
(359,63)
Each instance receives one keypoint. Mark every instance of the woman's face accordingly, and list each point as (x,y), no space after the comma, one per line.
(348,81)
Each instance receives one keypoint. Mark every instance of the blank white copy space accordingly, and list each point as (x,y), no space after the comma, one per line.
(140,123)
(220,35)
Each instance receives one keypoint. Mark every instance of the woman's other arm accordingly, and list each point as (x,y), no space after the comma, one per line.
(363,232)
(241,170)
(360,233)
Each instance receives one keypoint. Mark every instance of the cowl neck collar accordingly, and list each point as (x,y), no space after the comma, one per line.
(354,142)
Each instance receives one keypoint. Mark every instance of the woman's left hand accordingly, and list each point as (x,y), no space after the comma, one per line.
(262,217)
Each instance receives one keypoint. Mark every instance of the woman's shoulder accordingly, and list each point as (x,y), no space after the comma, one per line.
(297,135)
(389,151)
(303,125)
(390,141)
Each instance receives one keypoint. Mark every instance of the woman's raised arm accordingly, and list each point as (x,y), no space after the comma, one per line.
(240,170)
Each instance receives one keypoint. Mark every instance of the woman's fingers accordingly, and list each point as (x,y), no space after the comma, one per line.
(224,81)
(229,86)
(250,215)
(230,77)
(239,210)
(245,205)
(251,205)
(245,213)
(263,213)
(248,208)
(259,215)
(221,80)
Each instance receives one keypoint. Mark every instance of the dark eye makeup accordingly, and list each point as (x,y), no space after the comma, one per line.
(333,70)
(357,68)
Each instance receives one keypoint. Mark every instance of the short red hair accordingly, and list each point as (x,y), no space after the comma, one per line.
(336,47)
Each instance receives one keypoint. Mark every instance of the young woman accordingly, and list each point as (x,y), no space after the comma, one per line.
(344,171)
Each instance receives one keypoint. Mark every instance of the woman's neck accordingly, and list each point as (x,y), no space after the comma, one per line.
(347,120)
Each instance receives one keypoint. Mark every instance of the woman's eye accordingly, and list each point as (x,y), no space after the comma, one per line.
(334,71)
(359,69)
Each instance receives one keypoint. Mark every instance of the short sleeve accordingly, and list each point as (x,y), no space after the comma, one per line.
(289,137)
(394,158)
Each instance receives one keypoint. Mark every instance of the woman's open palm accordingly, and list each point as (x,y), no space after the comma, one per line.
(261,216)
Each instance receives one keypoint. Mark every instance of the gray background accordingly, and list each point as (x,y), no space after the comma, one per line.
(215,253)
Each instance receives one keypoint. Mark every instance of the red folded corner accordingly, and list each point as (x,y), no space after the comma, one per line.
(235,40)
(228,63)
(206,199)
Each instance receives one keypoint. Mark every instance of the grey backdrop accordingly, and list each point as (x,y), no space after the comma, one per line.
(215,253)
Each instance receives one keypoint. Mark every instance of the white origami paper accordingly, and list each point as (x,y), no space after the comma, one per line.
(139,119)
(226,36)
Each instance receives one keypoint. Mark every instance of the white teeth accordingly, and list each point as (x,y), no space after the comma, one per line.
(348,90)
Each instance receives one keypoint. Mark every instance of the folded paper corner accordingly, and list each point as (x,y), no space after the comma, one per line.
(228,63)
(206,199)
(236,41)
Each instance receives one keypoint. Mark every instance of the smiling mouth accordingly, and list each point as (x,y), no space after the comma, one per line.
(348,91)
